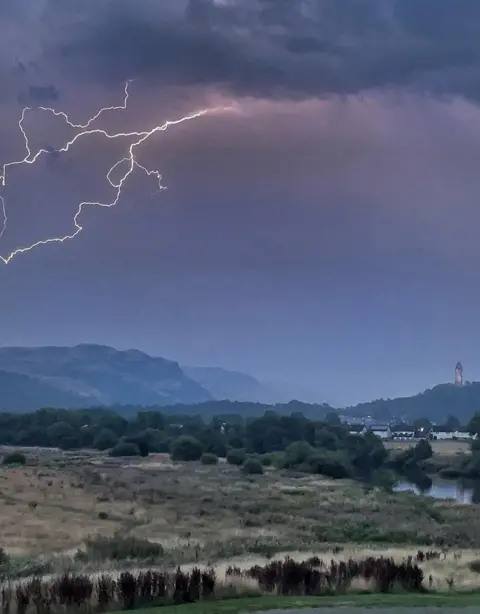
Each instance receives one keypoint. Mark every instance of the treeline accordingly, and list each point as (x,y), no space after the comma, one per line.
(436,405)
(289,442)
(247,409)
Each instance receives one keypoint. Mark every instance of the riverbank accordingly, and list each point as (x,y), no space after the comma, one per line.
(450,460)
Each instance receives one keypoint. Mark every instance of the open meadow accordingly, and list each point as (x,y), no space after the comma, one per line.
(192,514)
(447,447)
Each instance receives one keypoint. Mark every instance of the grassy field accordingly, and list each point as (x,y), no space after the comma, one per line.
(216,515)
(348,604)
(440,448)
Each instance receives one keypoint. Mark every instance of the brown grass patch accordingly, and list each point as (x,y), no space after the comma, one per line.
(210,512)
(441,448)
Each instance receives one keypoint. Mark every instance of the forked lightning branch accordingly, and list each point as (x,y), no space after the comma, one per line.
(84,131)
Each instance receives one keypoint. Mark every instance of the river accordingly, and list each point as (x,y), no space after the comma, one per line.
(461,491)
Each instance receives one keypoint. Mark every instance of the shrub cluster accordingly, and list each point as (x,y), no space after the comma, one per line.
(314,576)
(154,588)
(14,458)
(118,548)
(129,591)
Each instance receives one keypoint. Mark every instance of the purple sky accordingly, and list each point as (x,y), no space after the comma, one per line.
(325,234)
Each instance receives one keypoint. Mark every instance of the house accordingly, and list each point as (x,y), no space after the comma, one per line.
(442,432)
(357,429)
(381,430)
(462,434)
(403,432)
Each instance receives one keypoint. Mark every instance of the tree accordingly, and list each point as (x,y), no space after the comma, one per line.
(296,454)
(213,441)
(452,423)
(150,420)
(156,439)
(141,443)
(331,464)
(473,427)
(326,437)
(58,431)
(422,423)
(105,440)
(423,450)
(186,448)
(333,418)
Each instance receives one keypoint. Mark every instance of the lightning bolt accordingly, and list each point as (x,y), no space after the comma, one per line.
(84,130)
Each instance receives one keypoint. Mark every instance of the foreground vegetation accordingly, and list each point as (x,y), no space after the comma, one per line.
(128,591)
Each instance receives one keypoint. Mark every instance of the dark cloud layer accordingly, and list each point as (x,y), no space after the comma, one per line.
(330,241)
(258,47)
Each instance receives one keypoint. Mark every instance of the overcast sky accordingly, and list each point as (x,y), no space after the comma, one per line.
(325,232)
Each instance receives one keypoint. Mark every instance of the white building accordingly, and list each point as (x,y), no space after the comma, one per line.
(403,433)
(441,433)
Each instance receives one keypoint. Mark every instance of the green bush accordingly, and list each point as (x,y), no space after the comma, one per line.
(208,459)
(105,439)
(423,450)
(267,459)
(118,548)
(125,449)
(252,466)
(14,458)
(331,464)
(475,566)
(236,456)
(186,448)
(141,443)
(297,453)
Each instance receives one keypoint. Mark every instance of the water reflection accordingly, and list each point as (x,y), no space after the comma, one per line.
(463,491)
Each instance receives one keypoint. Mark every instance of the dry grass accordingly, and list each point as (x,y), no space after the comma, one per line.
(453,567)
(211,513)
(440,448)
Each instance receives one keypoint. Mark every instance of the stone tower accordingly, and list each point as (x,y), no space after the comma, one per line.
(459,374)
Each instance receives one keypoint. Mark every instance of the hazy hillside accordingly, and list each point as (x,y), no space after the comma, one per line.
(93,374)
(234,386)
(21,392)
(436,404)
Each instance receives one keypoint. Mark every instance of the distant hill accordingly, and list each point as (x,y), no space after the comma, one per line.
(87,375)
(436,404)
(234,386)
(95,375)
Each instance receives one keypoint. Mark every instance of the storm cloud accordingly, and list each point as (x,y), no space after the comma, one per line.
(326,234)
(263,48)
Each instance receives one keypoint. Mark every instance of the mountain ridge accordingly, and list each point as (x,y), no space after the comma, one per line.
(96,374)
